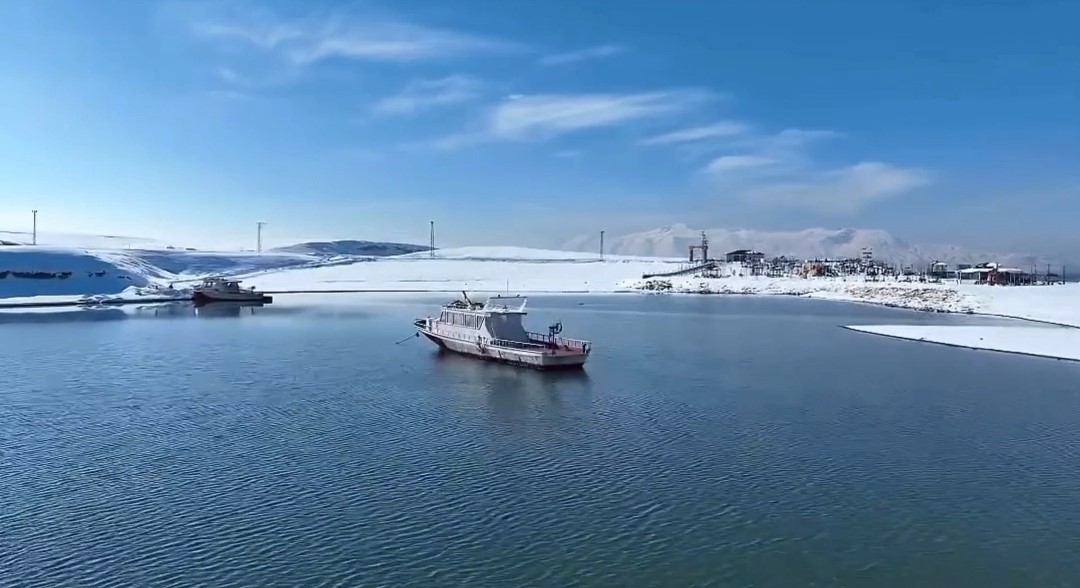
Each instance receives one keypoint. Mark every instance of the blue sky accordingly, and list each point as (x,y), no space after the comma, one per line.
(531,122)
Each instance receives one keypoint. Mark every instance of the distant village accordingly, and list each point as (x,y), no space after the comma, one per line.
(747,262)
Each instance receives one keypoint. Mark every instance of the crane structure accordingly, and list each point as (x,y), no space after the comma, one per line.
(704,247)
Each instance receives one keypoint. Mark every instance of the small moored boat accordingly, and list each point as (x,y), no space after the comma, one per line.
(495,331)
(223,290)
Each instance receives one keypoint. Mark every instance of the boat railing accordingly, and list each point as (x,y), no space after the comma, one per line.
(516,344)
(547,340)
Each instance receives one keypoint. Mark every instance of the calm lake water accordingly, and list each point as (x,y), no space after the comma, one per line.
(711,441)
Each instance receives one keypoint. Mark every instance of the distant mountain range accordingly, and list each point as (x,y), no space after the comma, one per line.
(673,241)
(347,247)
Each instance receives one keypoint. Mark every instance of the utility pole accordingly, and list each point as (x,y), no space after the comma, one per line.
(34,238)
(601,245)
(431,245)
(258,242)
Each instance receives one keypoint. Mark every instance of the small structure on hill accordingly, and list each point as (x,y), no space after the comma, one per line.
(939,270)
(744,256)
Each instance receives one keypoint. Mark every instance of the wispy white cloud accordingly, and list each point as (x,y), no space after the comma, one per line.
(777,169)
(713,131)
(454,141)
(568,154)
(359,37)
(420,95)
(730,163)
(596,52)
(266,35)
(258,78)
(839,191)
(547,115)
(796,138)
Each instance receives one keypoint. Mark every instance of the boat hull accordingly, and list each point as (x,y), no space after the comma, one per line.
(531,359)
(205,297)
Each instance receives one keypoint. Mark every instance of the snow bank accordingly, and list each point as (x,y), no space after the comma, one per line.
(1046,341)
(915,296)
(1058,304)
(33,271)
(153,292)
(536,274)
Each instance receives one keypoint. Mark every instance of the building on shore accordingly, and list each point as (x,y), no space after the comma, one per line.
(993,274)
(744,256)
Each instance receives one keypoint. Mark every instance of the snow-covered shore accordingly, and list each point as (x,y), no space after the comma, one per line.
(1056,304)
(51,275)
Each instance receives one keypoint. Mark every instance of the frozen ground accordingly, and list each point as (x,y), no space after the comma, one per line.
(491,269)
(54,274)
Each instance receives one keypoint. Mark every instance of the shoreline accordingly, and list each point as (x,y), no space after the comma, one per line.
(1048,307)
(1052,317)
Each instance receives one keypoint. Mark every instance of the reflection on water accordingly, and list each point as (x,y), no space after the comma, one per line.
(510,392)
(61,315)
(165,310)
(485,372)
(227,309)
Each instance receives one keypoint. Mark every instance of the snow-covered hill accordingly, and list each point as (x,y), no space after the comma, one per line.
(81,240)
(517,254)
(36,271)
(672,241)
(351,247)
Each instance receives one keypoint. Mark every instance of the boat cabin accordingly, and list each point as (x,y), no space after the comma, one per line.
(221,284)
(499,317)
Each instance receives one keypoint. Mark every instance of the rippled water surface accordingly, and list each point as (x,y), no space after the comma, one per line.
(710,442)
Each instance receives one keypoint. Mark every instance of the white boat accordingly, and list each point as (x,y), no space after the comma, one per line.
(495,331)
(223,290)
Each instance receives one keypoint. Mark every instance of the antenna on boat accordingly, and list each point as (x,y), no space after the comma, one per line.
(466,296)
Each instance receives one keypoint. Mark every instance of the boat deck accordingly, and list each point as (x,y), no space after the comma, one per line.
(542,344)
